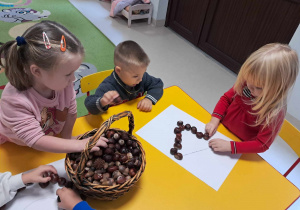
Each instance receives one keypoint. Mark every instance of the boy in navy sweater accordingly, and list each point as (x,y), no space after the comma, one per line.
(128,81)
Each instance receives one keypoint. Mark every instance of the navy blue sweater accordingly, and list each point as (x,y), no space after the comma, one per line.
(150,86)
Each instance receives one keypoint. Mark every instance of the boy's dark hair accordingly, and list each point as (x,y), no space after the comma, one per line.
(130,53)
(17,59)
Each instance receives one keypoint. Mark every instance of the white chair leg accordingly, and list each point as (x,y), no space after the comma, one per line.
(129,22)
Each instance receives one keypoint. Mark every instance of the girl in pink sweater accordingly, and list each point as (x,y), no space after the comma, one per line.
(254,109)
(38,106)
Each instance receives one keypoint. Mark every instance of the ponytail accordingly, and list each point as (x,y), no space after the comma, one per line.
(14,65)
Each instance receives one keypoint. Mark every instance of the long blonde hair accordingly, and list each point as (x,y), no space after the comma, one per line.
(273,67)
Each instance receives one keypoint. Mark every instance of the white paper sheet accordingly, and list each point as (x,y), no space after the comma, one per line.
(36,198)
(294,176)
(295,205)
(212,168)
(280,155)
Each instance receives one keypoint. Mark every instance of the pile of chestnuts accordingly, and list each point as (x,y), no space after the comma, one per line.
(178,139)
(114,165)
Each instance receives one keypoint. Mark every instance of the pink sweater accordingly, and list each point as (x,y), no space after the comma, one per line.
(26,116)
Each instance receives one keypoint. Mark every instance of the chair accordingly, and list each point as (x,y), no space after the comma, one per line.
(291,136)
(92,81)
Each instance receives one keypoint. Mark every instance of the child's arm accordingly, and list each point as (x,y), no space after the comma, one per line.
(99,102)
(219,111)
(10,184)
(70,200)
(261,143)
(36,175)
(154,87)
(66,132)
(59,145)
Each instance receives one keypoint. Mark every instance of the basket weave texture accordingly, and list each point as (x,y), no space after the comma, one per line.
(96,191)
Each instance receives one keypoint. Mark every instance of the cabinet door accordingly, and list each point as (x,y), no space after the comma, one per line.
(233,29)
(186,17)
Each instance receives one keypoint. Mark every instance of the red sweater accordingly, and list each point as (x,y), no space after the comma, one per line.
(234,115)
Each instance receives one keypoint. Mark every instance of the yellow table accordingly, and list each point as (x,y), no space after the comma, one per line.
(252,184)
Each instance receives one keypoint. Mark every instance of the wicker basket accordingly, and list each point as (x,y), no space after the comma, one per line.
(102,192)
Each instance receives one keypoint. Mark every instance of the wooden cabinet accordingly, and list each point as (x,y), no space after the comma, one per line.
(230,30)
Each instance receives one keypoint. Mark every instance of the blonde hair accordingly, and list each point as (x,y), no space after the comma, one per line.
(273,67)
(17,59)
(129,53)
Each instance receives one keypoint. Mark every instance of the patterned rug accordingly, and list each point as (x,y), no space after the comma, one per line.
(18,15)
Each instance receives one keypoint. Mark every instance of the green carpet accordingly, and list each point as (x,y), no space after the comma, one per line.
(99,50)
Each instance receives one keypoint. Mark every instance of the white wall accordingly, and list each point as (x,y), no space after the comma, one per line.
(159,9)
(294,100)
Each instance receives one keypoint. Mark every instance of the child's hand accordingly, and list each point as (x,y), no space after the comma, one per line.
(109,97)
(145,105)
(212,126)
(68,198)
(36,175)
(100,143)
(220,145)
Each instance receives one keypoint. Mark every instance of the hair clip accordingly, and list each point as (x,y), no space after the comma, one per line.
(63,45)
(46,41)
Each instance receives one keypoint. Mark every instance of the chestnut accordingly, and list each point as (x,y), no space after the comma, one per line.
(116,157)
(178,135)
(135,151)
(123,150)
(89,174)
(132,172)
(117,136)
(111,141)
(199,135)
(173,151)
(134,144)
(69,184)
(124,136)
(61,181)
(177,145)
(130,164)
(138,164)
(194,130)
(98,153)
(187,127)
(206,136)
(44,185)
(97,176)
(177,130)
(121,179)
(54,178)
(121,142)
(109,151)
(122,168)
(112,146)
(107,158)
(179,123)
(89,163)
(117,146)
(129,142)
(123,158)
(111,169)
(178,156)
(109,134)
(178,140)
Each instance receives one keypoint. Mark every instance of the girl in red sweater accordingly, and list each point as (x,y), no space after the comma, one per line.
(255,107)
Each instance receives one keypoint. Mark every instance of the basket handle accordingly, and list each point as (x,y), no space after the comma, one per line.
(103,128)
